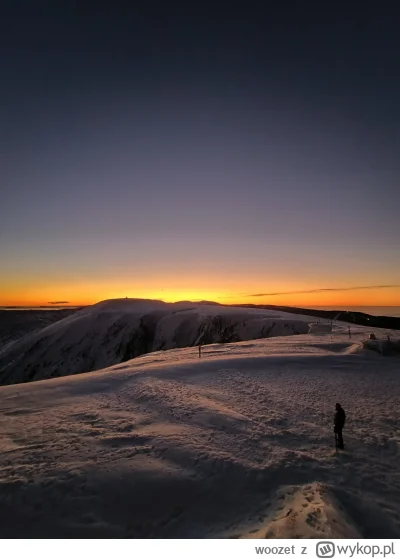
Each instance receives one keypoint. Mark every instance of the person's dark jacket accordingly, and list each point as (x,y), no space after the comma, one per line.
(340,418)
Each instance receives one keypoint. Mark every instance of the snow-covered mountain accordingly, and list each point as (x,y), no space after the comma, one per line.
(115,331)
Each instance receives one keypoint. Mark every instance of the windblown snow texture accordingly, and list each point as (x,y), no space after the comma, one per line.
(236,444)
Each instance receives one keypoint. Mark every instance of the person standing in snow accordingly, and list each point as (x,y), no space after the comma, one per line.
(349,332)
(338,422)
(199,350)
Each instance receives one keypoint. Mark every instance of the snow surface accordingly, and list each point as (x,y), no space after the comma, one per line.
(318,328)
(238,443)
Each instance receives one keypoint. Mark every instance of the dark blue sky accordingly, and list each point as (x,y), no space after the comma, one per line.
(206,151)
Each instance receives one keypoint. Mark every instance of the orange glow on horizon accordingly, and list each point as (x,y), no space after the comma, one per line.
(229,287)
(88,295)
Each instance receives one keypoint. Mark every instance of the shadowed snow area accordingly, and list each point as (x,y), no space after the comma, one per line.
(237,444)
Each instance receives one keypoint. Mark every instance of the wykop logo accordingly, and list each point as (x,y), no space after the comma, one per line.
(325,550)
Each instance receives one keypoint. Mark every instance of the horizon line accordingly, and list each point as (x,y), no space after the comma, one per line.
(71,306)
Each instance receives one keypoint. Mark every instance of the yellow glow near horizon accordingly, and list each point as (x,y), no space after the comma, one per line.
(92,293)
(169,282)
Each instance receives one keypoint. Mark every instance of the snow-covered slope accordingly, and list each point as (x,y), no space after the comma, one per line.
(117,330)
(238,443)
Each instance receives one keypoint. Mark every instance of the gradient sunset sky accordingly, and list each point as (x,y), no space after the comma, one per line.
(197,153)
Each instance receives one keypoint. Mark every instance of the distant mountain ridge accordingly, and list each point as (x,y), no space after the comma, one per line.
(16,323)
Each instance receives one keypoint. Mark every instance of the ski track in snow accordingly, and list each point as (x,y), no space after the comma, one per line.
(238,443)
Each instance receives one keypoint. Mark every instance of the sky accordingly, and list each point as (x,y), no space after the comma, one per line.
(193,152)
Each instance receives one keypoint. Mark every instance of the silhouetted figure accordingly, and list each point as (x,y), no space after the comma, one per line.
(338,422)
(199,350)
(349,332)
